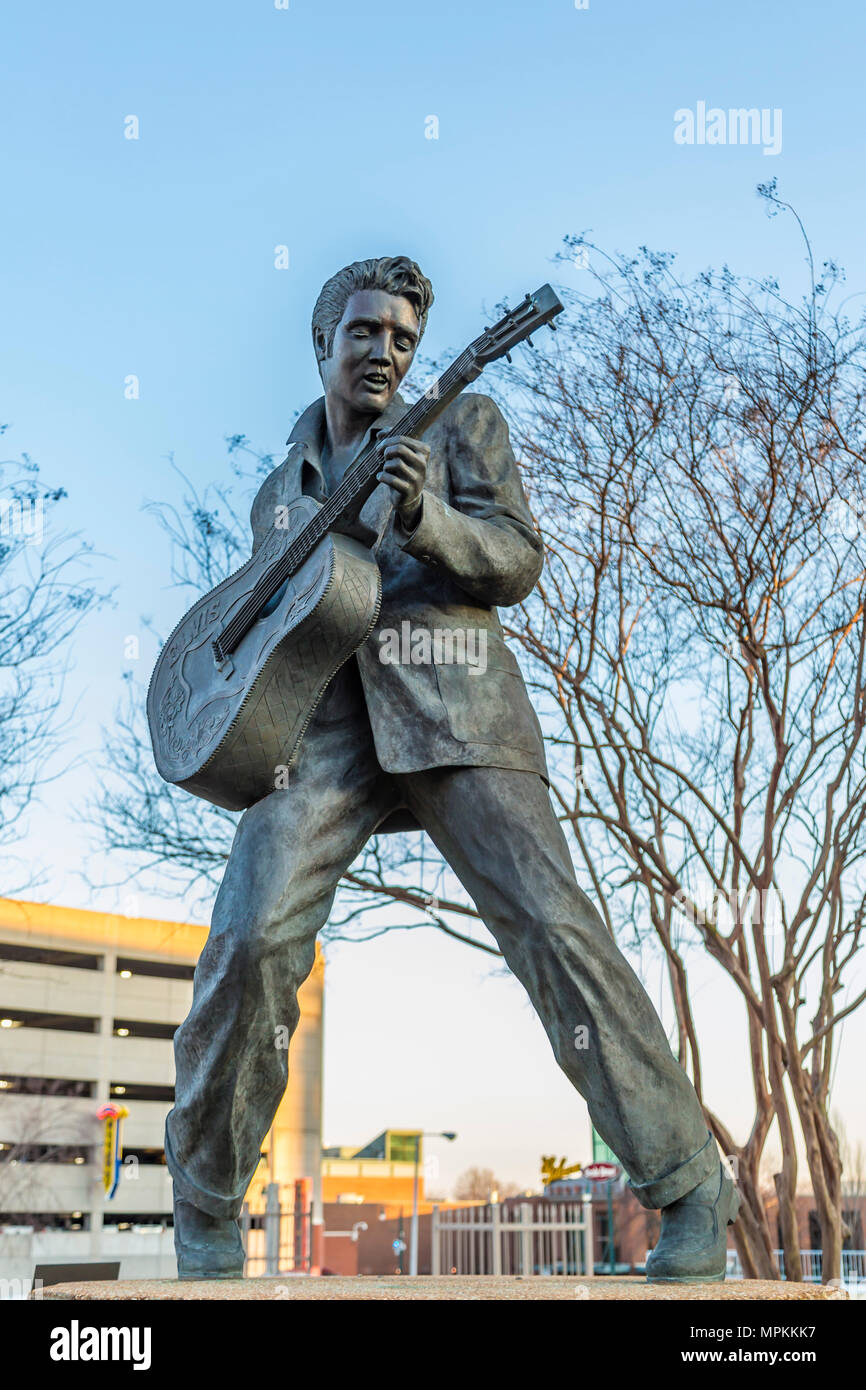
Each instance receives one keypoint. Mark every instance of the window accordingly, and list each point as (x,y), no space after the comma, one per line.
(45,1086)
(401,1148)
(133,1090)
(41,955)
(124,1221)
(65,1023)
(854,1221)
(49,1220)
(43,1153)
(165,970)
(142,1028)
(601,1223)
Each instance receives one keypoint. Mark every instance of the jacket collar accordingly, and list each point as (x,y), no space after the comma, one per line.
(309,428)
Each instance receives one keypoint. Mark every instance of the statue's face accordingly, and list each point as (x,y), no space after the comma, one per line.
(374,344)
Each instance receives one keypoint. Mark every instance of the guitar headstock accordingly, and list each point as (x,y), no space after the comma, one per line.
(533,312)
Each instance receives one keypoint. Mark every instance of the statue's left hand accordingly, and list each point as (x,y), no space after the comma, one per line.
(404,468)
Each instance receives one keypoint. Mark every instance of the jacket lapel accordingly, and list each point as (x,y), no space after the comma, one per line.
(303,465)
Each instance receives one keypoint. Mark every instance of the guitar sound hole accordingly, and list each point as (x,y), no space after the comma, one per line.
(274,602)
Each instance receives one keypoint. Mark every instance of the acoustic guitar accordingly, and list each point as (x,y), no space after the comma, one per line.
(239,679)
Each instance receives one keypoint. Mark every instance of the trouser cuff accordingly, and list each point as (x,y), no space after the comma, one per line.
(227,1208)
(680,1180)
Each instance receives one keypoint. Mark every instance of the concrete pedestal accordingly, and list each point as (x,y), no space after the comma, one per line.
(375,1288)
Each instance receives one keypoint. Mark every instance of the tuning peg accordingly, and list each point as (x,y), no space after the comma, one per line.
(529,342)
(552,326)
(508,358)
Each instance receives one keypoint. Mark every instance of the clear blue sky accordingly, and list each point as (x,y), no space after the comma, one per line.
(306,127)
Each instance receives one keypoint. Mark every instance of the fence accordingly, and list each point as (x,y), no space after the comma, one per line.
(853,1268)
(277,1241)
(555,1238)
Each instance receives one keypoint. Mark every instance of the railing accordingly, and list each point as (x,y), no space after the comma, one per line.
(497,1239)
(276,1241)
(853,1266)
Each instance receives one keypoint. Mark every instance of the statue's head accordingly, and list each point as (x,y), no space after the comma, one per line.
(367,324)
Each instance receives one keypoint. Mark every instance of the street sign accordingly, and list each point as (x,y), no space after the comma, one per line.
(601,1172)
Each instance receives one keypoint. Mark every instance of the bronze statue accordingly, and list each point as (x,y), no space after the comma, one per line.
(439,744)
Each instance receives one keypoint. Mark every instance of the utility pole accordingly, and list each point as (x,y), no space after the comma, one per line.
(413,1248)
(610,1241)
(413,1239)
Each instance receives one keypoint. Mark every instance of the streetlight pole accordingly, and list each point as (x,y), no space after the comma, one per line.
(610,1235)
(413,1237)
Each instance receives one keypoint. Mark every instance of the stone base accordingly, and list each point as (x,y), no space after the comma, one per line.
(455,1288)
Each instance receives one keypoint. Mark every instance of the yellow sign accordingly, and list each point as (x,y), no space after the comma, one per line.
(113,1115)
(551,1171)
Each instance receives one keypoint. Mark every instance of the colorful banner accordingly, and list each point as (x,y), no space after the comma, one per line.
(112,1148)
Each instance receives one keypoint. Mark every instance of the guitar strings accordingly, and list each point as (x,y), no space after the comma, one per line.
(360,472)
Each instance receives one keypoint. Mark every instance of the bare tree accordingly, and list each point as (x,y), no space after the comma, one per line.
(479,1183)
(44,595)
(695,455)
(38,1129)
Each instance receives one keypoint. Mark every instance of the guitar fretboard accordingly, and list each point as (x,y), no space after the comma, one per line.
(358,483)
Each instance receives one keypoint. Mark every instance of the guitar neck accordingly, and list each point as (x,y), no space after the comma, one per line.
(358,484)
(360,481)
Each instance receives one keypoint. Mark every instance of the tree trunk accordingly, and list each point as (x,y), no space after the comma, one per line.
(788,1232)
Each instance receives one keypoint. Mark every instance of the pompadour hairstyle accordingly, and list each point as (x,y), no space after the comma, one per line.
(393,274)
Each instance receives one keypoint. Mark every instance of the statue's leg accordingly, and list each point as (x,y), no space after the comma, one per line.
(231,1055)
(497,829)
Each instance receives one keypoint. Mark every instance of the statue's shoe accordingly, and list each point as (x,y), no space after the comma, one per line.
(692,1246)
(207,1247)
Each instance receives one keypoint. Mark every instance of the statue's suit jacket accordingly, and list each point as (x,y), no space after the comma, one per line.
(474,547)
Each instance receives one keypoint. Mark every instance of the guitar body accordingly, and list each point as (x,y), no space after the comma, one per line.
(223,730)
